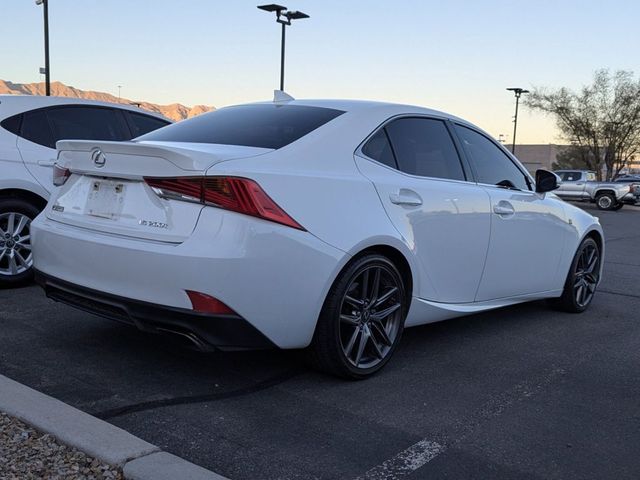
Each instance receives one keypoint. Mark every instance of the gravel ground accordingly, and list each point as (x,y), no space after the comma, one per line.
(27,454)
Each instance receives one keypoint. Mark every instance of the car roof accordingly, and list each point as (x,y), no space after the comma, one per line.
(367,106)
(14,104)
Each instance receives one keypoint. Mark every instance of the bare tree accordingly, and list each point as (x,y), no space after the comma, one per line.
(574,158)
(602,121)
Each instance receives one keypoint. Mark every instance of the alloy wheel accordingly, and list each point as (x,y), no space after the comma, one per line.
(15,243)
(586,275)
(605,202)
(370,316)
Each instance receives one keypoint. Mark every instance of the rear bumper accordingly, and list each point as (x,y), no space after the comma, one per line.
(274,277)
(204,331)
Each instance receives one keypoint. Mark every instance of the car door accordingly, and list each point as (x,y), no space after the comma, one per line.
(37,147)
(430,199)
(573,184)
(42,128)
(528,230)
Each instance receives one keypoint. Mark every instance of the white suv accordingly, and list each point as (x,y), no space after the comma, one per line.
(30,126)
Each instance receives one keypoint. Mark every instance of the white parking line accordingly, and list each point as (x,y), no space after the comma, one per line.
(421,453)
(405,462)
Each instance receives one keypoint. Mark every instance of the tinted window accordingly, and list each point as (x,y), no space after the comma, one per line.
(570,176)
(12,124)
(379,148)
(492,165)
(266,125)
(87,123)
(141,124)
(424,147)
(35,128)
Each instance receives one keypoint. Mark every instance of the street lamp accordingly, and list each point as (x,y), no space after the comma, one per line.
(517,91)
(283,17)
(47,74)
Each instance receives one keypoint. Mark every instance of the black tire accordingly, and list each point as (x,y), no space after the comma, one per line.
(618,206)
(569,301)
(606,201)
(336,325)
(22,207)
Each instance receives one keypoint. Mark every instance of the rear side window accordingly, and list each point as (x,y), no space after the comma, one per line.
(379,148)
(12,124)
(35,128)
(141,124)
(265,126)
(87,123)
(424,147)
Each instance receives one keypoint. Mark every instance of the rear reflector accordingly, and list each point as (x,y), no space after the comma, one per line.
(237,194)
(203,303)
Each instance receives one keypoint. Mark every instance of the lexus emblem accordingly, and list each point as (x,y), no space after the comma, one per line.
(98,158)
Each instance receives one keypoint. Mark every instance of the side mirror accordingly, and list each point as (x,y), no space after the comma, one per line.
(546,181)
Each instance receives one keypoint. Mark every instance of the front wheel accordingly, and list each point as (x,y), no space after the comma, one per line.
(618,206)
(362,319)
(16,259)
(582,279)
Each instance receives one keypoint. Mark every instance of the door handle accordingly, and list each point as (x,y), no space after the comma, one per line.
(46,163)
(503,208)
(406,197)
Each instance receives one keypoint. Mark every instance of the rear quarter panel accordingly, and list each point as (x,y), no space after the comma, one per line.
(316,181)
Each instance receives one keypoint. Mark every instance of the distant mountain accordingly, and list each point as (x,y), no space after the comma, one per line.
(175,111)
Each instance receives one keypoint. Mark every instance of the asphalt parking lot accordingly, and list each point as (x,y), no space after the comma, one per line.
(524,392)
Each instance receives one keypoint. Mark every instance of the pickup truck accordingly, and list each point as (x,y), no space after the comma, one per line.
(582,185)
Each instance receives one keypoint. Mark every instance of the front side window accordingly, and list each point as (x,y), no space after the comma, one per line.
(87,123)
(263,125)
(493,166)
(424,147)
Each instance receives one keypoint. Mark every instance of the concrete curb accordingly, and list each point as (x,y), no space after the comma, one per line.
(139,460)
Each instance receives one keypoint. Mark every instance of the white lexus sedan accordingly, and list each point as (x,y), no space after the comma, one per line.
(326,225)
(30,125)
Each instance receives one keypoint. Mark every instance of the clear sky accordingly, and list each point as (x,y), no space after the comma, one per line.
(457,56)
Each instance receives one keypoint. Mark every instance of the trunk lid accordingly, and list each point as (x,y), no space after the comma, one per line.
(106,191)
(144,159)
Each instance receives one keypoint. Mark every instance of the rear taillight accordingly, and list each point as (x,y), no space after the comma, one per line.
(237,194)
(60,175)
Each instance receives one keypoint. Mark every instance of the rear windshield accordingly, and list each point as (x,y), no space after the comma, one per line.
(264,125)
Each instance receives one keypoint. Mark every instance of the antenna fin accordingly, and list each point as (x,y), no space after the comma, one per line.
(281,96)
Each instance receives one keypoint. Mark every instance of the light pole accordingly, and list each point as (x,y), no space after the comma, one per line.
(47,74)
(517,91)
(119,88)
(283,17)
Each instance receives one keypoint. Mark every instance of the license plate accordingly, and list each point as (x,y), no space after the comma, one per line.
(106,199)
